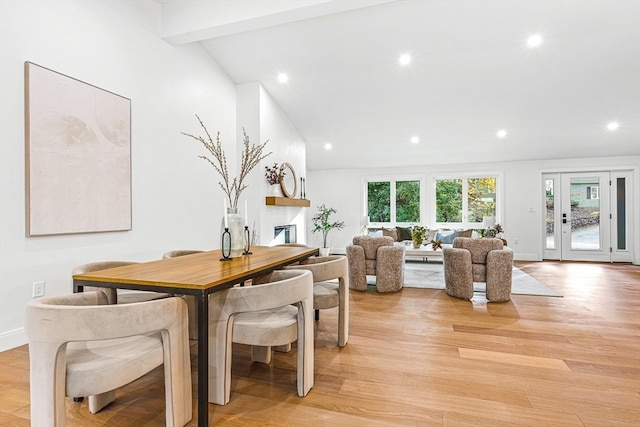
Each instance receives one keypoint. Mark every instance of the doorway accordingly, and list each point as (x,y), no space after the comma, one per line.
(587,216)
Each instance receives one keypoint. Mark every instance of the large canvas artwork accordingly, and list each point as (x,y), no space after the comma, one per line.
(78,155)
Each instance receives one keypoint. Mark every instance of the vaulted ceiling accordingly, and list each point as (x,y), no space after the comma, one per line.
(471,74)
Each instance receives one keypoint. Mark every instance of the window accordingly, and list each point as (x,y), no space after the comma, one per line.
(465,201)
(592,193)
(404,207)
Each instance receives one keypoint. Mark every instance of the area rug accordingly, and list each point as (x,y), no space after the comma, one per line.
(431,275)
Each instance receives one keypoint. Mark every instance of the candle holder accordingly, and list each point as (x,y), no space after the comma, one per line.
(226,245)
(247,241)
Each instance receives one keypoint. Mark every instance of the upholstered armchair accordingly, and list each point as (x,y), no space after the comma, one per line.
(192,302)
(326,292)
(80,345)
(275,311)
(116,296)
(375,256)
(478,260)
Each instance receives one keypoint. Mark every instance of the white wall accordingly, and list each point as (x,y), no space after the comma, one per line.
(263,120)
(343,190)
(114,45)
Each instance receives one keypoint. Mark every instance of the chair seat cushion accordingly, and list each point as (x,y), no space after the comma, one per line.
(325,295)
(110,362)
(267,327)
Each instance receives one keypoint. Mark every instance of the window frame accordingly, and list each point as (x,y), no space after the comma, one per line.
(497,175)
(392,179)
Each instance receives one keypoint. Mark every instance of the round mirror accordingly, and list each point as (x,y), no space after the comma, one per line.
(289,183)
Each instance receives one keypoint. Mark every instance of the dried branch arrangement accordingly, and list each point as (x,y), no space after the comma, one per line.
(251,155)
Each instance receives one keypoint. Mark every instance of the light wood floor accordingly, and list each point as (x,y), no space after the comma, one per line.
(421,358)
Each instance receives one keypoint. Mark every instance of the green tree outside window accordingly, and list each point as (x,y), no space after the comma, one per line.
(449,200)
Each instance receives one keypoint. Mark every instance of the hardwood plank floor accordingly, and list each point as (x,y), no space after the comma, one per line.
(421,358)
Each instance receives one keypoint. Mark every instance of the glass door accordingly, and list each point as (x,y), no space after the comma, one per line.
(587,216)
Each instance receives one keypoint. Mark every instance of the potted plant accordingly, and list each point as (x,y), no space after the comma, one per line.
(274,175)
(322,223)
(417,235)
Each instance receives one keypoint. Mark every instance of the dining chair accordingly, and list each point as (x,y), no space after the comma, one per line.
(192,302)
(326,292)
(116,296)
(275,310)
(80,345)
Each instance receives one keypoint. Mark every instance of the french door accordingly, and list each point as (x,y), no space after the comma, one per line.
(587,216)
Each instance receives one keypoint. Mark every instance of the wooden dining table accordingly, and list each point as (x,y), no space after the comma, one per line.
(198,274)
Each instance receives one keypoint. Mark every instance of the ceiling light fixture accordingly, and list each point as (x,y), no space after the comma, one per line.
(415,139)
(327,146)
(534,40)
(613,126)
(501,133)
(283,78)
(405,59)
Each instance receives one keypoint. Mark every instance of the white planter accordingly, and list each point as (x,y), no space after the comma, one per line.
(275,190)
(324,251)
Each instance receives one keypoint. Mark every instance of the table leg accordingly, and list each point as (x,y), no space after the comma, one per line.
(203,360)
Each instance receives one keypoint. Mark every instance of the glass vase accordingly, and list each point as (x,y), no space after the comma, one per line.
(236,229)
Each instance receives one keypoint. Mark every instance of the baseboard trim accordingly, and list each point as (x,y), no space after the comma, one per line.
(12,339)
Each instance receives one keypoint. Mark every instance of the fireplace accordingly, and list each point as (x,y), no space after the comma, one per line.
(285,234)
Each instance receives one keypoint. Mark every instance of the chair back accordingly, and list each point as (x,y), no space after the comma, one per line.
(111,293)
(277,289)
(179,252)
(479,248)
(371,244)
(87,316)
(325,267)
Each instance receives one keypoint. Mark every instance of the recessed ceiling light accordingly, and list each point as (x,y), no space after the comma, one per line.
(613,126)
(534,40)
(415,139)
(501,133)
(405,59)
(327,146)
(283,78)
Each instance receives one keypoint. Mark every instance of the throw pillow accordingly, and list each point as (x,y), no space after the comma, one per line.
(446,239)
(374,232)
(465,233)
(404,233)
(391,232)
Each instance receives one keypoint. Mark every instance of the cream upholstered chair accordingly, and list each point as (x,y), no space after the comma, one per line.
(192,302)
(478,260)
(116,296)
(375,256)
(330,294)
(81,345)
(276,310)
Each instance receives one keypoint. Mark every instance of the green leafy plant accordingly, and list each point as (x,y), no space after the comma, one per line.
(251,156)
(323,224)
(418,235)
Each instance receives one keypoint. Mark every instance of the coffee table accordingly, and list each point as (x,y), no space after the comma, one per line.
(425,252)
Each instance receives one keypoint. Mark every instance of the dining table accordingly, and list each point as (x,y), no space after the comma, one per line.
(198,274)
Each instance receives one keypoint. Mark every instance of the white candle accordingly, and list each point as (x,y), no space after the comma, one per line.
(246,214)
(226,220)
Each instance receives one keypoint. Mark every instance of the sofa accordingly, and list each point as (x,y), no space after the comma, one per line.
(402,237)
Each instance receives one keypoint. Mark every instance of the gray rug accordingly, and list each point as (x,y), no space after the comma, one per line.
(431,275)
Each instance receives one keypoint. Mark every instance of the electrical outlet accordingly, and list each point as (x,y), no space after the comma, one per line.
(38,289)
(515,241)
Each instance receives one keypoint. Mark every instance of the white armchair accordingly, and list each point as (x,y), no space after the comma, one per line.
(80,345)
